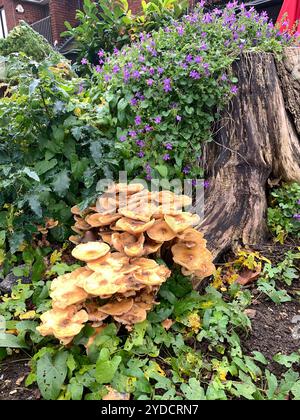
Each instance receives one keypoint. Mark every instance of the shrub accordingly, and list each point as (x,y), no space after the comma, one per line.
(107,25)
(23,39)
(160,97)
(284,213)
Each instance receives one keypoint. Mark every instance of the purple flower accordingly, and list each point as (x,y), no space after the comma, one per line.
(297,216)
(148,128)
(203,47)
(298,202)
(84,61)
(116,69)
(234,89)
(150,82)
(107,77)
(157,120)
(166,156)
(141,154)
(198,59)
(178,118)
(206,184)
(186,170)
(136,74)
(169,146)
(132,133)
(101,53)
(133,101)
(98,69)
(180,30)
(138,120)
(160,70)
(189,58)
(194,74)
(167,85)
(151,71)
(140,143)
(122,138)
(224,77)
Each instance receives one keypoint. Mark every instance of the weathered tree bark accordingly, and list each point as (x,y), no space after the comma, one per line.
(257,139)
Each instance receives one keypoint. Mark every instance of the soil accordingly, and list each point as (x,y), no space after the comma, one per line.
(13,372)
(273,331)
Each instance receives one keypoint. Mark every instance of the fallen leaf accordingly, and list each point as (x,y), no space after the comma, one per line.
(247,277)
(20,380)
(251,313)
(28,315)
(114,395)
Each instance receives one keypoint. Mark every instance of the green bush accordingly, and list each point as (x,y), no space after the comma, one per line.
(284,212)
(23,39)
(107,25)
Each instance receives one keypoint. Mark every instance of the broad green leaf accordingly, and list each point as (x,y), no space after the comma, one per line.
(193,390)
(51,374)
(61,182)
(11,341)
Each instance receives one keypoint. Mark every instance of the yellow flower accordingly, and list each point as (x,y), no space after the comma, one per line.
(194,322)
(77,112)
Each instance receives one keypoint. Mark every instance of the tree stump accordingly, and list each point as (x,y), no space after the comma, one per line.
(256,140)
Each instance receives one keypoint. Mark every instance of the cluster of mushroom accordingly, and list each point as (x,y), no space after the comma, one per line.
(115,239)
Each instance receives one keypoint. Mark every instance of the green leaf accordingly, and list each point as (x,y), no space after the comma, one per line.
(44,166)
(15,241)
(259,357)
(285,360)
(51,374)
(162,170)
(136,338)
(106,368)
(61,183)
(272,384)
(58,133)
(193,390)
(11,341)
(31,174)
(35,205)
(33,85)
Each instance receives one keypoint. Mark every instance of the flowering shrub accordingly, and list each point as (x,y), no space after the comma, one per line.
(157,99)
(284,213)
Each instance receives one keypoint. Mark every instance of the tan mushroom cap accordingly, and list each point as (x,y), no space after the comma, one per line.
(150,246)
(63,323)
(107,204)
(75,239)
(133,226)
(190,258)
(206,270)
(90,251)
(94,312)
(152,277)
(182,221)
(129,244)
(81,224)
(191,237)
(144,263)
(75,210)
(66,292)
(125,188)
(161,232)
(134,316)
(142,212)
(164,197)
(103,283)
(117,308)
(89,236)
(98,220)
(106,237)
(112,260)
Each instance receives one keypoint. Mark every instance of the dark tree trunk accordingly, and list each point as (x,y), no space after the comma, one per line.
(257,139)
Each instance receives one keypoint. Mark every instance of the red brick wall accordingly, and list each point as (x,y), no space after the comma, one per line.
(32,12)
(60,11)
